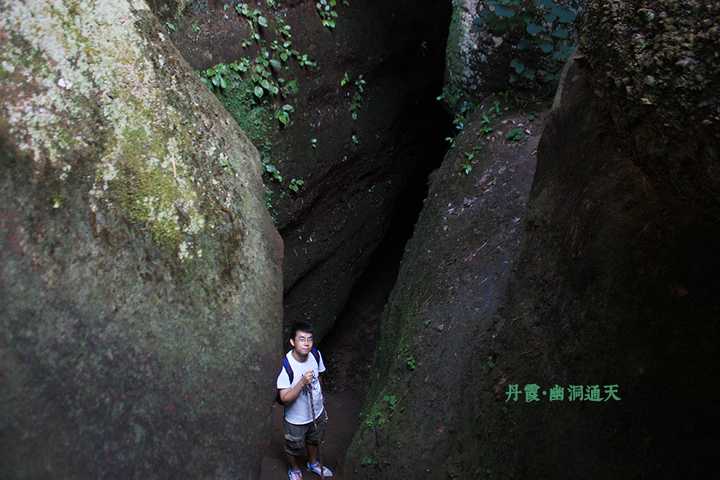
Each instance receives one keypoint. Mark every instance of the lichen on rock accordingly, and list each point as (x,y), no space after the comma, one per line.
(657,56)
(142,173)
(140,282)
(462,44)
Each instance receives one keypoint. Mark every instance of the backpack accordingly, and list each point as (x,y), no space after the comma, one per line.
(288,369)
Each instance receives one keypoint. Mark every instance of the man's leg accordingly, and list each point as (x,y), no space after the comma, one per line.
(292,461)
(314,436)
(294,443)
(312,451)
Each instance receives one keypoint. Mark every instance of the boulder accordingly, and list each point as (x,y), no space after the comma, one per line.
(140,282)
(438,328)
(612,302)
(354,170)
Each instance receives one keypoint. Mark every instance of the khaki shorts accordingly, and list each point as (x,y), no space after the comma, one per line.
(297,436)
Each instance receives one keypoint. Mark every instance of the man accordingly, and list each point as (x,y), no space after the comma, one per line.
(299,390)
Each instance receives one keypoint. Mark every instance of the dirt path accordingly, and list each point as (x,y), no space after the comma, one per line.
(342,410)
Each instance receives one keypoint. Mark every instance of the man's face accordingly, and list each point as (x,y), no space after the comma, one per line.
(303,342)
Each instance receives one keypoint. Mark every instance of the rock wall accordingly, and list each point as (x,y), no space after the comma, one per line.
(437,331)
(354,170)
(659,70)
(612,287)
(140,282)
(477,61)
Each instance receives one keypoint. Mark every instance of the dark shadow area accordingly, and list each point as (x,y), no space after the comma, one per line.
(349,347)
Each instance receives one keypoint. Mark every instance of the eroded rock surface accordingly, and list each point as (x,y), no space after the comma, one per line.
(354,170)
(439,324)
(613,288)
(140,287)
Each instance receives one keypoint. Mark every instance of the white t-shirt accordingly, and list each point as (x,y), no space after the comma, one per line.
(298,412)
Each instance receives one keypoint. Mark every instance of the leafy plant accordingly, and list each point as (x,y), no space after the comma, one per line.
(305,61)
(290,88)
(486,127)
(391,401)
(376,418)
(296,184)
(451,95)
(514,135)
(171,27)
(283,115)
(254,90)
(56,200)
(357,99)
(542,34)
(368,461)
(282,28)
(345,80)
(467,165)
(326,10)
(273,172)
(410,362)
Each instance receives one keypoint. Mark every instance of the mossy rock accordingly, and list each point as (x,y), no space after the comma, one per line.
(140,283)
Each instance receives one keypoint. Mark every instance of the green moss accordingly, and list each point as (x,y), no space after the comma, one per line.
(255,120)
(146,191)
(172,9)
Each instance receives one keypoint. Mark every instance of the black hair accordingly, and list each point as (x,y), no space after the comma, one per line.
(300,325)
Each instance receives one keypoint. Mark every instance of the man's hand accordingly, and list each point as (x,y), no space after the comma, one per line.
(288,395)
(307,377)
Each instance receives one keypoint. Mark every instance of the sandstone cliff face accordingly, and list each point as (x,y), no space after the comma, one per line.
(140,284)
(354,169)
(656,64)
(477,60)
(614,283)
(437,338)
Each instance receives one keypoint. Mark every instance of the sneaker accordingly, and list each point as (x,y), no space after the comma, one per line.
(315,468)
(295,474)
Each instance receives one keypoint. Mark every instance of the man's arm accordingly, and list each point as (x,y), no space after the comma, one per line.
(289,395)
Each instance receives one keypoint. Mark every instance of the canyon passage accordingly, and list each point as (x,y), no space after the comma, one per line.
(501,218)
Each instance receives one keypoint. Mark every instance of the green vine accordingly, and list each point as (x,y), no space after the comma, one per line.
(326,11)
(255,90)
